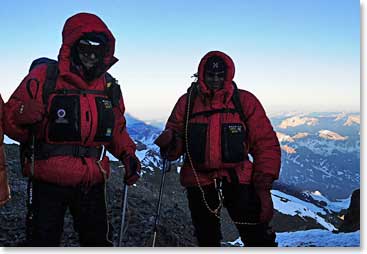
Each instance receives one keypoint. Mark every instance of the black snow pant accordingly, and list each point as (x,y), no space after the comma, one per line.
(243,205)
(87,208)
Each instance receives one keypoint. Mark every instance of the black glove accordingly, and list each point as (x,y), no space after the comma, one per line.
(263,184)
(132,168)
(171,145)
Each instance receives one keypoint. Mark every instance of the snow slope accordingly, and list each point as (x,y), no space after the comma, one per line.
(313,238)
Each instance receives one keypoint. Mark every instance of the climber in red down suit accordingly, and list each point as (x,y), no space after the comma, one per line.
(72,122)
(215,125)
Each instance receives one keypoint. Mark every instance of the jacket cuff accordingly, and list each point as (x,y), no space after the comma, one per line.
(262,181)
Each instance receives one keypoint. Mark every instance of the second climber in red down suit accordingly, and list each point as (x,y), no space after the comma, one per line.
(217,139)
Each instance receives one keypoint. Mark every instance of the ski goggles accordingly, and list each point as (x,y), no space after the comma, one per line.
(220,74)
(88,47)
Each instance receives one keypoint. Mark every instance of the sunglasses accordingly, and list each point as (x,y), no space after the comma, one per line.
(220,74)
(88,48)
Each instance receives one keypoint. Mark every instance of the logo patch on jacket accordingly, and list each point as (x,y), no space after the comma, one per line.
(107,104)
(61,113)
(235,128)
(108,132)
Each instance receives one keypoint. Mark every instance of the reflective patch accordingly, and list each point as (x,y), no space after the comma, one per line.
(61,113)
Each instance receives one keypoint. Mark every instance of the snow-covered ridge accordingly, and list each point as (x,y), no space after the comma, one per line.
(340,116)
(328,147)
(300,135)
(313,238)
(293,206)
(297,120)
(331,135)
(288,149)
(352,119)
(335,206)
(284,137)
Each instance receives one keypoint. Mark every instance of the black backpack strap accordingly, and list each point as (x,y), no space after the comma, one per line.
(50,81)
(113,90)
(237,103)
(212,112)
(74,91)
(192,92)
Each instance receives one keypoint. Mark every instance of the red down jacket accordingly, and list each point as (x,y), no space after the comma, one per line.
(4,187)
(68,170)
(207,133)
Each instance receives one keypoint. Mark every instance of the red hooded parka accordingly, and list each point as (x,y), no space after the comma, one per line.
(209,145)
(67,170)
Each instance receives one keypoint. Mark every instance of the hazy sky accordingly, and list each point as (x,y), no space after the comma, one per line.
(292,54)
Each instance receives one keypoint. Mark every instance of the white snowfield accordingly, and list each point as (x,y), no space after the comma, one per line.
(313,238)
(290,205)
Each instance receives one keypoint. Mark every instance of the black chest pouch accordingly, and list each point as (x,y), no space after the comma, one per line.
(197,139)
(233,140)
(64,119)
(106,120)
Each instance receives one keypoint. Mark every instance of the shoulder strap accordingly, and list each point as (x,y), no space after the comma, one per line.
(235,100)
(50,81)
(112,89)
(192,92)
(237,103)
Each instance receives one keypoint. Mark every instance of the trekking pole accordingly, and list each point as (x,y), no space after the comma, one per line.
(123,213)
(29,218)
(156,222)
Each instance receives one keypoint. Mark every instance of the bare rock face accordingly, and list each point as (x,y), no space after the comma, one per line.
(351,221)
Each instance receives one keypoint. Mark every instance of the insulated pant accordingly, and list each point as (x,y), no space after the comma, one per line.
(242,204)
(87,208)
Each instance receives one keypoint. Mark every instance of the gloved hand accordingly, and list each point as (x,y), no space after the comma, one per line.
(132,168)
(171,145)
(30,112)
(263,183)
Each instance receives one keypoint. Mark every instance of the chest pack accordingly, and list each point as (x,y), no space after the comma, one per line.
(112,89)
(233,135)
(63,131)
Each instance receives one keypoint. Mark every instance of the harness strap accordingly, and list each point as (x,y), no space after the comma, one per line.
(75,91)
(233,176)
(212,112)
(44,151)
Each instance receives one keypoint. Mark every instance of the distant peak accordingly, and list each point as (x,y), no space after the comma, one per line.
(300,135)
(288,149)
(326,134)
(297,120)
(284,137)
(353,119)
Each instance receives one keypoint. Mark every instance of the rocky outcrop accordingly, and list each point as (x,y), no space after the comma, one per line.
(351,221)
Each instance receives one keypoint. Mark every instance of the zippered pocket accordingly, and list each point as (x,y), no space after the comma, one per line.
(233,137)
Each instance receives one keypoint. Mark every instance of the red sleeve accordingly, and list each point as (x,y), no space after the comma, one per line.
(1,121)
(263,143)
(20,95)
(2,157)
(176,121)
(121,142)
